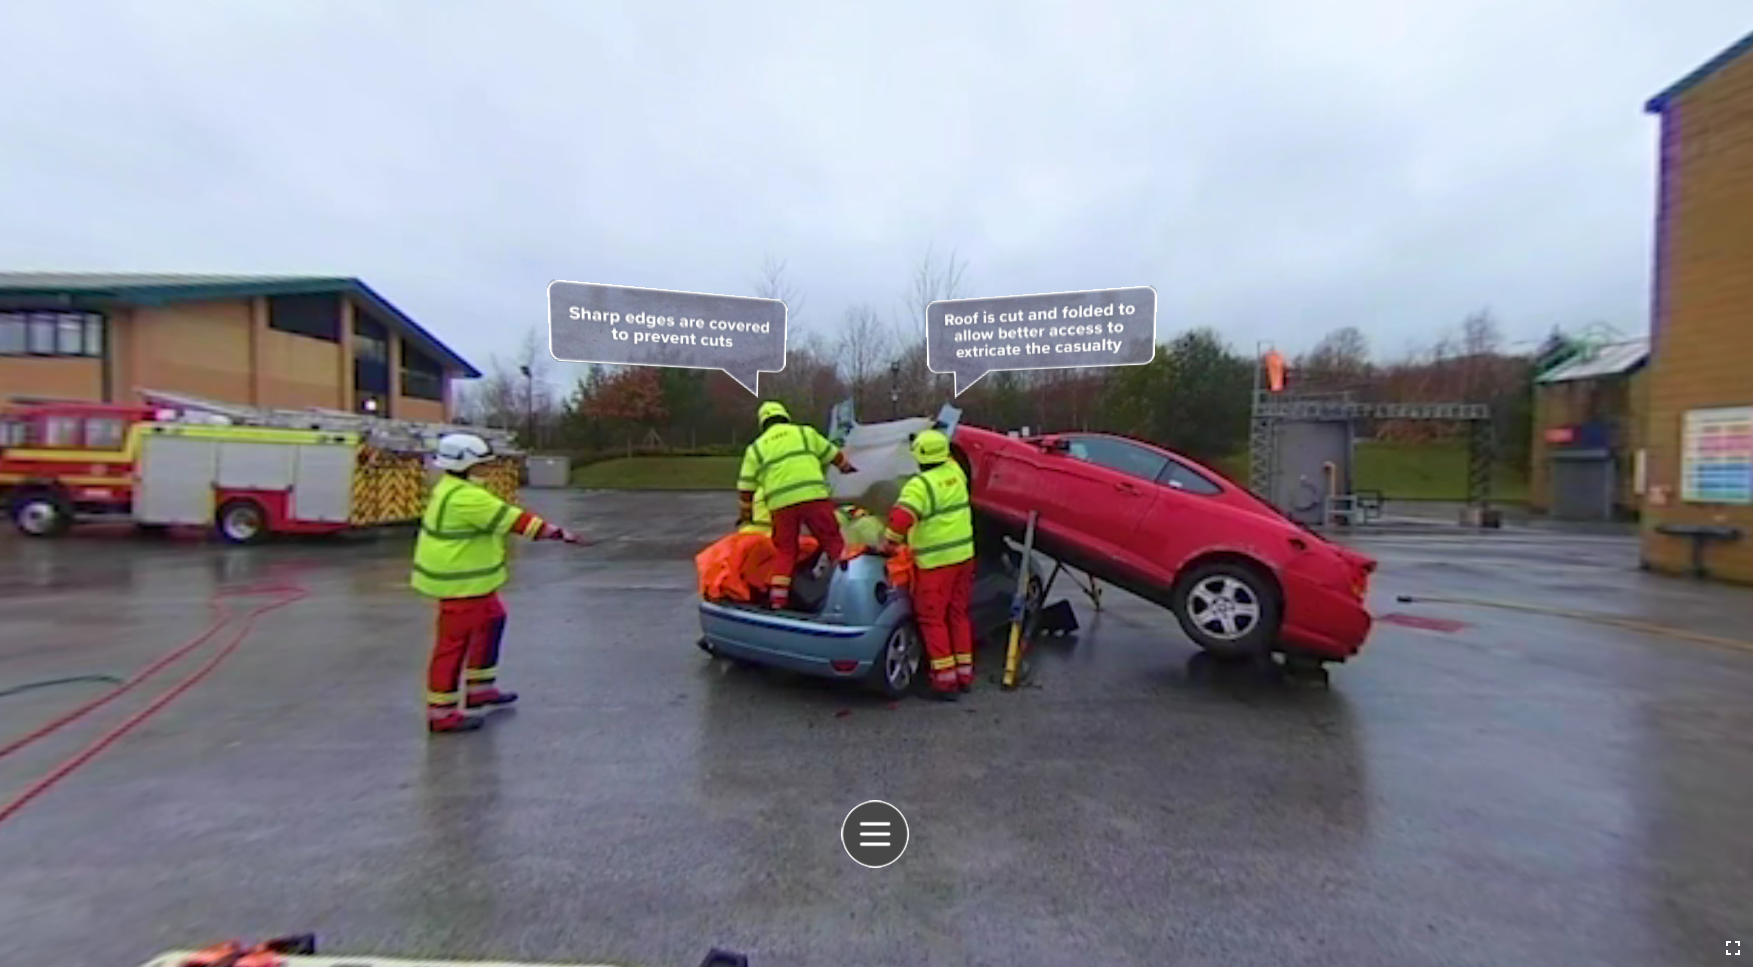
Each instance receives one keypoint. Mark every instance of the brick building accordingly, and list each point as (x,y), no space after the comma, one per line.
(1700,425)
(272,341)
(1588,446)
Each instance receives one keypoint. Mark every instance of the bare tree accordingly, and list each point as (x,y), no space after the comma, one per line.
(515,394)
(1480,335)
(1340,361)
(916,388)
(864,346)
(774,283)
(1481,343)
(932,280)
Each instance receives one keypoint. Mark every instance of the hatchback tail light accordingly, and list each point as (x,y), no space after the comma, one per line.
(843,666)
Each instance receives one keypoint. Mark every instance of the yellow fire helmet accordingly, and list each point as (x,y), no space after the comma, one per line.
(771,409)
(931,448)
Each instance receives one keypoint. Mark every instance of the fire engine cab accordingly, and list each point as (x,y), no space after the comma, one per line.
(245,472)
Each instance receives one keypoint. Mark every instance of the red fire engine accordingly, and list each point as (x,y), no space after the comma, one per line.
(246,472)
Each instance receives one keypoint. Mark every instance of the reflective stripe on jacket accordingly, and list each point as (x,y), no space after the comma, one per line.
(943,522)
(461,550)
(786,463)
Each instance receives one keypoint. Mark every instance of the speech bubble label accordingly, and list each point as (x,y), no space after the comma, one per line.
(1055,330)
(741,335)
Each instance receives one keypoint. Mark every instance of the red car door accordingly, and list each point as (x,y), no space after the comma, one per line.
(1015,481)
(1105,487)
(1179,523)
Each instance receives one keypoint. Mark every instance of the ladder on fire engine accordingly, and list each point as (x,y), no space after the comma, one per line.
(379,431)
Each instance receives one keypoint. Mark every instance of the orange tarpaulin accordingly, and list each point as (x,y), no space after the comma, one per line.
(900,565)
(738,567)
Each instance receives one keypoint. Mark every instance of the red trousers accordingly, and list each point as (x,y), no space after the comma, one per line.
(816,515)
(940,605)
(469,633)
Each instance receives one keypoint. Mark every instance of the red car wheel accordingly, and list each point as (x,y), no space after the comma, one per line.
(1230,610)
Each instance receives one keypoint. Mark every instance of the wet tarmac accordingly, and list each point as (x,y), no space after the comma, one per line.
(1523,789)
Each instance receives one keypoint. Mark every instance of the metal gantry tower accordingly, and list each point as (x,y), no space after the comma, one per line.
(1273,408)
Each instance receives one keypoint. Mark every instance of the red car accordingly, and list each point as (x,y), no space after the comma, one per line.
(1241,578)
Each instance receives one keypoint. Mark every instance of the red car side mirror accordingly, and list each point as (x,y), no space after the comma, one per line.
(1053,444)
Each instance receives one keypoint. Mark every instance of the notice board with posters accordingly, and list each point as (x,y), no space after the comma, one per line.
(1716,456)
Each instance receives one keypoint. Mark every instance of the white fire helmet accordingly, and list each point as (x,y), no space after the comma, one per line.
(460,451)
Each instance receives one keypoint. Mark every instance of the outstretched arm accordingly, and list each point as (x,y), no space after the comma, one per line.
(828,453)
(537,529)
(495,516)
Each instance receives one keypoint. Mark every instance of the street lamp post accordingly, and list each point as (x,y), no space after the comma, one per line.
(894,391)
(529,407)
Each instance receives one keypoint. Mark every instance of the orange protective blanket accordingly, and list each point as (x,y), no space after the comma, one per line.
(901,569)
(739,566)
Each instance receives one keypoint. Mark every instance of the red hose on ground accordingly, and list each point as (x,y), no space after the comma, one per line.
(289,595)
(217,625)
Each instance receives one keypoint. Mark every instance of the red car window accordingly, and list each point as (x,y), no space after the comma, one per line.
(1117,455)
(1181,477)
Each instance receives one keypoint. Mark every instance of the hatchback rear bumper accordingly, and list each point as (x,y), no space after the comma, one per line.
(799,644)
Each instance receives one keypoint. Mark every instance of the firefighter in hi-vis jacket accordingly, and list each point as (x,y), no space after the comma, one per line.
(935,520)
(460,560)
(787,464)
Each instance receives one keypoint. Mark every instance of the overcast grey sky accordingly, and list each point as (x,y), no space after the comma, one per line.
(1276,168)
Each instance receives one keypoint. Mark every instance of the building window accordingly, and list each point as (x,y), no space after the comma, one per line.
(51,334)
(70,334)
(371,356)
(422,376)
(12,338)
(42,334)
(315,316)
(370,339)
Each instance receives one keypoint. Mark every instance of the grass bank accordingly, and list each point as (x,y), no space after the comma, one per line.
(1399,471)
(659,473)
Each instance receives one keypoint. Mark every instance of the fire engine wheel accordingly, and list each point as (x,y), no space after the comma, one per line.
(241,522)
(41,513)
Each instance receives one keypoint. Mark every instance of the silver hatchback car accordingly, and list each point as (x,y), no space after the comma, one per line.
(851,623)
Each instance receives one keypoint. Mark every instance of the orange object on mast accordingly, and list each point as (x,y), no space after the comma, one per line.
(1274,371)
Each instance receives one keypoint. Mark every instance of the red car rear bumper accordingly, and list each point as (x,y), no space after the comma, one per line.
(1326,622)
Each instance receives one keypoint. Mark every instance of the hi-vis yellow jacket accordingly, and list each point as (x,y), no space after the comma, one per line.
(943,530)
(787,463)
(461,550)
